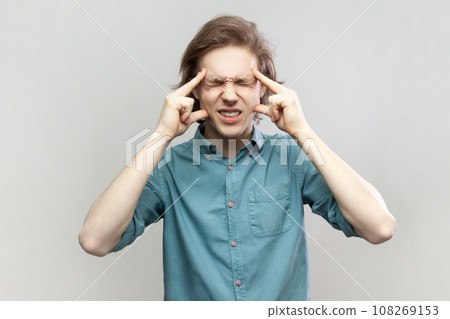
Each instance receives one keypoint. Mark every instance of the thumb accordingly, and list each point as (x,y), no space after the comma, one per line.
(263,109)
(195,116)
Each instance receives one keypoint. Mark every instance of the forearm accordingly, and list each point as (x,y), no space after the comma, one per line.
(112,211)
(360,203)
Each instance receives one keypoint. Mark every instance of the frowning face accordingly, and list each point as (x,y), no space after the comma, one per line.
(229,92)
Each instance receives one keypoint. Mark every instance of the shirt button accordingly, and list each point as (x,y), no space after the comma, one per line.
(230,167)
(230,204)
(238,283)
(233,243)
(249,153)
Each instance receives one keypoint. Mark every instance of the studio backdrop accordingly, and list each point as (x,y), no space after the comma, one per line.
(78,79)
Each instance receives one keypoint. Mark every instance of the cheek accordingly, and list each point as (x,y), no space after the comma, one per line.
(254,97)
(206,99)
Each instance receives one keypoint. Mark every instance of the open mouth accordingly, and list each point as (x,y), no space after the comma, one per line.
(230,114)
(230,117)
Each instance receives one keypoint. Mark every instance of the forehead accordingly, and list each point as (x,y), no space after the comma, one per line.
(230,61)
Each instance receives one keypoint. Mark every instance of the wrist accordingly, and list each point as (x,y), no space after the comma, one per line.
(158,136)
(303,130)
(303,133)
(161,131)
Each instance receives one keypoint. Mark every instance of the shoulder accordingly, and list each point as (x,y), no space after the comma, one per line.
(277,136)
(274,141)
(286,146)
(177,153)
(182,147)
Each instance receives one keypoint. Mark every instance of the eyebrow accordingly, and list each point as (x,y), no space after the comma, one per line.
(214,79)
(219,79)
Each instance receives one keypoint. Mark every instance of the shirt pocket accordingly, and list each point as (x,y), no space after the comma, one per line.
(268,215)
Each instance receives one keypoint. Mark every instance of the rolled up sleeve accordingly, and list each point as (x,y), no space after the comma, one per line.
(149,209)
(318,196)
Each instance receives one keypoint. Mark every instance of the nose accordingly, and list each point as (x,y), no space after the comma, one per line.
(229,95)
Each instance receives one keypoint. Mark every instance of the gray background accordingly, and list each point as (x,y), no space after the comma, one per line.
(70,99)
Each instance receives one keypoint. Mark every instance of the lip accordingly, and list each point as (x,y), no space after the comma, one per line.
(230,120)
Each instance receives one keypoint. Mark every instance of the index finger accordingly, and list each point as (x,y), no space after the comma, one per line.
(188,87)
(273,86)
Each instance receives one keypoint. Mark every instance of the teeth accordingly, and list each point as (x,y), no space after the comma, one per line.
(230,114)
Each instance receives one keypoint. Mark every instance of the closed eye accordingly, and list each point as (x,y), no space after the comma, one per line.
(218,82)
(246,82)
(214,83)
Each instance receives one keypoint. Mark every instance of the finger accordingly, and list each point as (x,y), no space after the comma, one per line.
(184,103)
(263,109)
(184,117)
(187,88)
(273,86)
(276,114)
(184,106)
(196,116)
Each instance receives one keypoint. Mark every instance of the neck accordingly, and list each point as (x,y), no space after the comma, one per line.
(230,145)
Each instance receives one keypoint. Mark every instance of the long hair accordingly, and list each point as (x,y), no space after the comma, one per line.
(221,31)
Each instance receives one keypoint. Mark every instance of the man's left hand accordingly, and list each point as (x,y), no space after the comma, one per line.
(284,107)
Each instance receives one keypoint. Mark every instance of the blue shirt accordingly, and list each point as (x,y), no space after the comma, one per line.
(234,230)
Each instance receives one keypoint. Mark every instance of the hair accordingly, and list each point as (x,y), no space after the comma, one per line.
(222,31)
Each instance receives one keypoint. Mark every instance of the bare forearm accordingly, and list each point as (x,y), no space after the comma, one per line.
(112,211)
(360,203)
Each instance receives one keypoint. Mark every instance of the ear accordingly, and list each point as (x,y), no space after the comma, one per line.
(194,91)
(263,90)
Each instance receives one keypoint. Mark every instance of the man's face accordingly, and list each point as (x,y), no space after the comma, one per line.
(229,92)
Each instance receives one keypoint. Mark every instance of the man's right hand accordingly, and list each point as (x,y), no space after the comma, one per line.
(111,213)
(176,116)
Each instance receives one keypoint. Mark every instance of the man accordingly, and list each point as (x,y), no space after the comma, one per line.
(232,198)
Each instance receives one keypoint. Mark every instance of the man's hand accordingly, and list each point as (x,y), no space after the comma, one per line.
(176,116)
(284,107)
(366,212)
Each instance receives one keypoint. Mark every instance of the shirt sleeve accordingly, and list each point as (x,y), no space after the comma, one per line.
(322,202)
(149,210)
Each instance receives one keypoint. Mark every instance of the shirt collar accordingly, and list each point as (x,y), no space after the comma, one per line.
(257,139)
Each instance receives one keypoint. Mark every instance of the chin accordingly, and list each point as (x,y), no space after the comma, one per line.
(228,131)
(233,132)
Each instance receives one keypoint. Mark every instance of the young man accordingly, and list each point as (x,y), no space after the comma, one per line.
(232,198)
